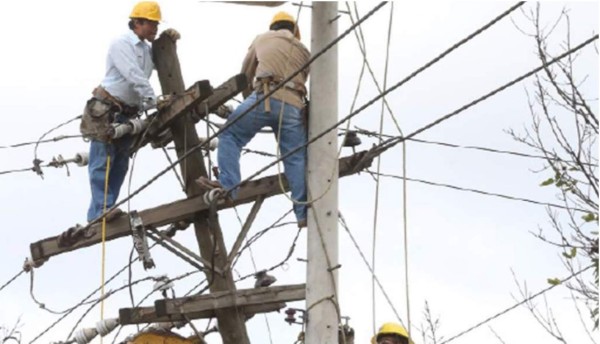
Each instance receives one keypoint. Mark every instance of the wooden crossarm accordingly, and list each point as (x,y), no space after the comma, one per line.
(182,210)
(144,315)
(227,299)
(181,105)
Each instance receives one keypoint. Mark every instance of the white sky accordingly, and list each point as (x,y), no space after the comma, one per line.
(462,246)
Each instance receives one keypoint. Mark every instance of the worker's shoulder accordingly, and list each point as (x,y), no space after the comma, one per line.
(283,36)
(128,38)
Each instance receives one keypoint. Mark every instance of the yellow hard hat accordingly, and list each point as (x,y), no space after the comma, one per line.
(390,328)
(284,16)
(146,10)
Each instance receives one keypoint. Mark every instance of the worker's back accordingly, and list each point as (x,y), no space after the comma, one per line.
(280,54)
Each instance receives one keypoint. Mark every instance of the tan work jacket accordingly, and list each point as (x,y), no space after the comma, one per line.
(278,53)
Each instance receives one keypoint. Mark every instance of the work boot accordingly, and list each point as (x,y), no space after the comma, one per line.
(70,236)
(207,184)
(113,214)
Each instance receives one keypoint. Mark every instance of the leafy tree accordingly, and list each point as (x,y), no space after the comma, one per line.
(564,130)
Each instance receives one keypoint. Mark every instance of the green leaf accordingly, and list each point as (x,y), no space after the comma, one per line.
(573,169)
(571,254)
(553,281)
(547,182)
(589,217)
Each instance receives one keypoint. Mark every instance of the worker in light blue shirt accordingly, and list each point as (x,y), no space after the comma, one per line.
(124,92)
(128,68)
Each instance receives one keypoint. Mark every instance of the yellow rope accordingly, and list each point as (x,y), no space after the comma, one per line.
(104,239)
(405,222)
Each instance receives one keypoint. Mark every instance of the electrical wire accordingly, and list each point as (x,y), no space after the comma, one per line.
(12,279)
(481,192)
(55,139)
(525,300)
(453,145)
(376,203)
(84,300)
(255,271)
(342,221)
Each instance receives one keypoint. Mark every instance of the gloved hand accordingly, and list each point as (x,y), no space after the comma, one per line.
(172,34)
(224,111)
(163,101)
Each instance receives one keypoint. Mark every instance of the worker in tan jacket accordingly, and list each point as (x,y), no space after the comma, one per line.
(272,57)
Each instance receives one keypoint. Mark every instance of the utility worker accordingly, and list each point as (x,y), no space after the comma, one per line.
(271,58)
(391,333)
(121,96)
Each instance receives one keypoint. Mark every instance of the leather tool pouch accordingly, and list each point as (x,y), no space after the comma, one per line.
(98,115)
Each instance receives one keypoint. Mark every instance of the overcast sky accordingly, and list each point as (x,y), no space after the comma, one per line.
(462,247)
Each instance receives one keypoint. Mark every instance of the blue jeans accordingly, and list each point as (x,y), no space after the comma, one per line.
(119,164)
(293,134)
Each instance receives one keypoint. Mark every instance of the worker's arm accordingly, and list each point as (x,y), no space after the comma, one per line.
(249,68)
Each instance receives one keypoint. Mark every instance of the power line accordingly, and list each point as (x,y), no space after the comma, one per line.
(80,159)
(376,205)
(494,92)
(453,145)
(55,139)
(259,234)
(12,279)
(83,301)
(182,276)
(543,291)
(393,141)
(51,130)
(512,198)
(285,260)
(342,221)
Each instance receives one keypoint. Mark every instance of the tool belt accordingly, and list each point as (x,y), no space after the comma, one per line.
(101,94)
(99,114)
(268,82)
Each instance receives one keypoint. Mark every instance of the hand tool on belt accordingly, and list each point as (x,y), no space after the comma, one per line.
(127,110)
(264,83)
(267,82)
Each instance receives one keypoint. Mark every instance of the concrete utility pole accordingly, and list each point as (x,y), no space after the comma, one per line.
(231,322)
(322,176)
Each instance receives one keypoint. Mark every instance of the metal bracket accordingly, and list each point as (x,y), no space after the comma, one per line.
(139,239)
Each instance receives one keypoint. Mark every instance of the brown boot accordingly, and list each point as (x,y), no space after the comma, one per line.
(207,184)
(113,214)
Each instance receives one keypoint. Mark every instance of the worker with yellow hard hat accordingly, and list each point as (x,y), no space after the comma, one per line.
(272,58)
(284,19)
(391,333)
(148,10)
(117,103)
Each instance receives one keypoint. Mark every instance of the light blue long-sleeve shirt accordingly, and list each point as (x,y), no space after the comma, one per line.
(128,69)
